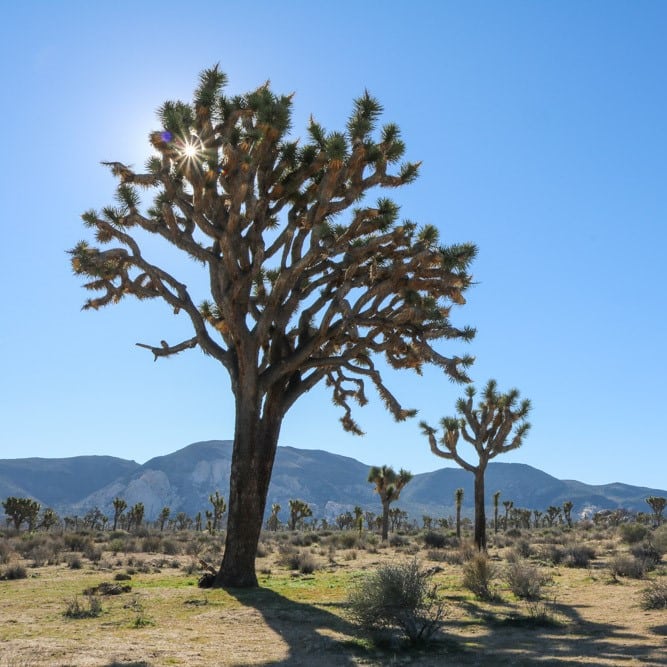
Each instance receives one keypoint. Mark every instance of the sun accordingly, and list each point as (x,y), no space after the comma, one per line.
(190,150)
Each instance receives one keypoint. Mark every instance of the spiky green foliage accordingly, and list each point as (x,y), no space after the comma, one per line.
(309,282)
(298,511)
(21,510)
(495,426)
(388,485)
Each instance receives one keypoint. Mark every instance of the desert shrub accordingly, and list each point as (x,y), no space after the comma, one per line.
(304,539)
(262,550)
(122,576)
(523,548)
(92,553)
(14,572)
(349,540)
(578,555)
(296,559)
(74,562)
(659,539)
(513,532)
(525,580)
(170,547)
(625,565)
(478,574)
(434,539)
(654,596)
(76,541)
(551,553)
(75,609)
(151,544)
(5,553)
(647,553)
(633,532)
(396,540)
(398,597)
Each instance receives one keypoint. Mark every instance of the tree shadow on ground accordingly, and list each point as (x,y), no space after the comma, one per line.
(552,635)
(313,634)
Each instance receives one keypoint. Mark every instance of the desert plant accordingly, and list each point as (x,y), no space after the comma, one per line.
(525,580)
(659,539)
(478,574)
(398,597)
(624,565)
(654,596)
(657,504)
(14,572)
(435,540)
(633,532)
(388,485)
(578,555)
(497,425)
(298,511)
(75,609)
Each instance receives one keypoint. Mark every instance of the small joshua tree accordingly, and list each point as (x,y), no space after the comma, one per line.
(508,505)
(272,522)
(298,510)
(567,512)
(497,425)
(164,515)
(219,509)
(119,506)
(657,504)
(388,485)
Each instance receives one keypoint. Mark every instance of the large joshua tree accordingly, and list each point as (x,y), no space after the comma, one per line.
(299,294)
(497,425)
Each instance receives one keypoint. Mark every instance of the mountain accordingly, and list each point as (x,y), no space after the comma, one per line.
(60,482)
(332,484)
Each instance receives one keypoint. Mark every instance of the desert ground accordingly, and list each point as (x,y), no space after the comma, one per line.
(590,608)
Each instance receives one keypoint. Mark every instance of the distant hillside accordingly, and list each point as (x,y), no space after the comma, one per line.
(60,482)
(332,484)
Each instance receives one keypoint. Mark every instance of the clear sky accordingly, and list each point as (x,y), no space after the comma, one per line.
(542,128)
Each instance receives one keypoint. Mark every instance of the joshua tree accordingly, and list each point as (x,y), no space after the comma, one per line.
(182,521)
(119,506)
(567,512)
(21,510)
(537,515)
(508,505)
(388,486)
(496,498)
(299,294)
(219,509)
(553,513)
(162,518)
(359,518)
(458,498)
(135,516)
(272,522)
(49,519)
(298,510)
(497,425)
(657,504)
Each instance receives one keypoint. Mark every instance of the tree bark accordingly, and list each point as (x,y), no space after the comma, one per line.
(480,512)
(255,440)
(385,520)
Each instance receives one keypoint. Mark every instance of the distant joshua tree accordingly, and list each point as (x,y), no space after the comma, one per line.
(162,518)
(496,498)
(497,425)
(508,505)
(657,504)
(272,521)
(22,510)
(119,506)
(219,509)
(388,485)
(458,498)
(567,512)
(298,510)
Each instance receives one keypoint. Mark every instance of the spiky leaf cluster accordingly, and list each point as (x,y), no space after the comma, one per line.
(497,424)
(298,292)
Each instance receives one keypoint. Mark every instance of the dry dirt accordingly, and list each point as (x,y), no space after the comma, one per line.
(300,619)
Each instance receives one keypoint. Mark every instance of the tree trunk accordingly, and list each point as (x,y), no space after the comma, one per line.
(480,512)
(458,520)
(255,441)
(385,520)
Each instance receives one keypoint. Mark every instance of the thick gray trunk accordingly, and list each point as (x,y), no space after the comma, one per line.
(480,512)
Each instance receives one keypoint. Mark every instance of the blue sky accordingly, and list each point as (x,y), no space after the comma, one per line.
(543,133)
